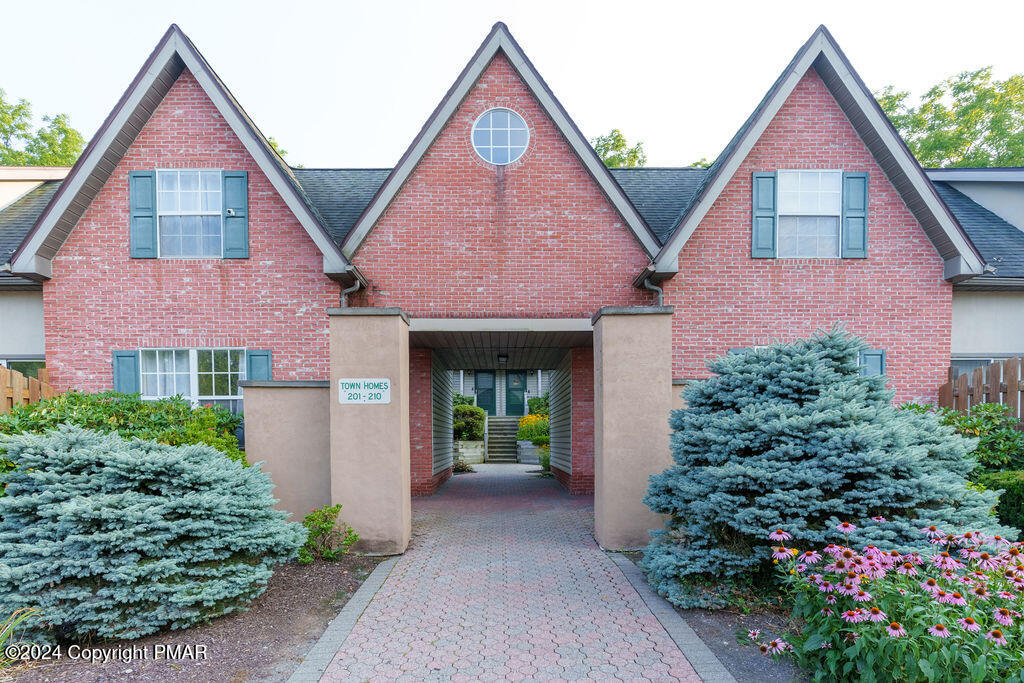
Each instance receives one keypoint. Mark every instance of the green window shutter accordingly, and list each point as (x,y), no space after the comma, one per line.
(126,372)
(258,365)
(236,214)
(762,242)
(855,215)
(142,213)
(872,362)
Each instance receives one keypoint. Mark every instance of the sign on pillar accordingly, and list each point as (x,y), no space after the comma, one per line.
(364,390)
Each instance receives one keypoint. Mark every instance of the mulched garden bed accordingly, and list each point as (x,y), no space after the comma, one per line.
(263,644)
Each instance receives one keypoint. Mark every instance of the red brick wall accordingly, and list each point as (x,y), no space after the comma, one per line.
(896,298)
(536,238)
(582,480)
(421,425)
(100,299)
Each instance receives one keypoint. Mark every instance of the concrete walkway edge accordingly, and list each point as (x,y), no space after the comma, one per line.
(320,655)
(701,658)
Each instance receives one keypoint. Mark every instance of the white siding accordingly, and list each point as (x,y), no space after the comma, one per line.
(988,323)
(441,394)
(1005,200)
(21,324)
(560,402)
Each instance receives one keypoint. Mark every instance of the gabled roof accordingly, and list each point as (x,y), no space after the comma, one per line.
(16,220)
(1000,243)
(172,55)
(822,54)
(499,40)
(661,195)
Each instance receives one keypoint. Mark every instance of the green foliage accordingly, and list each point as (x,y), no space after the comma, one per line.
(1010,509)
(328,539)
(468,423)
(172,421)
(888,627)
(460,466)
(792,436)
(9,633)
(460,400)
(55,144)
(535,428)
(110,538)
(538,405)
(970,119)
(703,162)
(544,457)
(615,151)
(1000,443)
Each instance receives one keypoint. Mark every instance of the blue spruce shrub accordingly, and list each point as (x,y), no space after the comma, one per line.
(792,436)
(117,539)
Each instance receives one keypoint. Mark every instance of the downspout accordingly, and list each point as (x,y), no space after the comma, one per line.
(349,290)
(656,289)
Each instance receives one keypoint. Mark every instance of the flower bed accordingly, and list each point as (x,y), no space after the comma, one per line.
(950,614)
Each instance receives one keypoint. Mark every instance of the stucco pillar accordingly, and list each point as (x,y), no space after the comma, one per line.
(632,400)
(370,441)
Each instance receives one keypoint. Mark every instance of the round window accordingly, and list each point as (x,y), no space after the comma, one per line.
(500,136)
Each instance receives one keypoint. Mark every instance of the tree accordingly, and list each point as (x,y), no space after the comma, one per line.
(970,119)
(54,144)
(615,151)
(703,162)
(793,437)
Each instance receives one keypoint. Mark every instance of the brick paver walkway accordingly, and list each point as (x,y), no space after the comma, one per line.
(503,580)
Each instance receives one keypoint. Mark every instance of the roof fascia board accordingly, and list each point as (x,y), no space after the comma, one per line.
(500,325)
(25,258)
(981,175)
(498,39)
(668,259)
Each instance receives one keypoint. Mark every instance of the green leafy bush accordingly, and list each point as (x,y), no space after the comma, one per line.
(793,436)
(460,466)
(110,538)
(328,539)
(172,421)
(460,400)
(544,457)
(535,428)
(1010,508)
(1000,443)
(539,404)
(468,423)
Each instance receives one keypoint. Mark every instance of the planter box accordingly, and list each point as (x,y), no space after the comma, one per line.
(471,452)
(527,453)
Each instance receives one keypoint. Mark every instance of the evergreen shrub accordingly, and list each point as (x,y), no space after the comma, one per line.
(468,422)
(1010,509)
(461,400)
(111,538)
(794,437)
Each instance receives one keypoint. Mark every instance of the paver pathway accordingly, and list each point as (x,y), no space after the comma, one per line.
(503,581)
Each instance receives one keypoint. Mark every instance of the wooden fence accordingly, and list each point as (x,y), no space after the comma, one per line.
(18,390)
(999,382)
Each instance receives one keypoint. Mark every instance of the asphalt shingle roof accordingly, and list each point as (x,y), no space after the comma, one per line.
(1000,243)
(661,195)
(17,219)
(340,194)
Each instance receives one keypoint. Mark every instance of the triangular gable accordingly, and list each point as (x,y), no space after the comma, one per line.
(499,39)
(821,53)
(172,55)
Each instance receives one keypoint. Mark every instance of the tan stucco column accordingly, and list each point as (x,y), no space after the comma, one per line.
(632,400)
(370,441)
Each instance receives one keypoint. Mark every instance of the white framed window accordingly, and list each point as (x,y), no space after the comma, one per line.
(500,136)
(203,376)
(810,213)
(189,206)
(29,366)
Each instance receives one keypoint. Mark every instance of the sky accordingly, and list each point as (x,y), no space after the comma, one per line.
(349,84)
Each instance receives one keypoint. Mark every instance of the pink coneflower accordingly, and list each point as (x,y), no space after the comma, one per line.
(781,553)
(776,647)
(996,636)
(826,587)
(854,616)
(941,596)
(810,557)
(826,611)
(862,596)
(907,568)
(970,553)
(846,527)
(968,624)
(930,585)
(1007,595)
(895,630)
(831,599)
(986,561)
(875,614)
(872,551)
(980,592)
(779,535)
(848,554)
(944,560)
(754,634)
(969,538)
(834,550)
(875,570)
(826,646)
(1003,616)
(847,589)
(932,532)
(939,631)
(878,518)
(999,541)
(914,558)
(801,568)
(957,599)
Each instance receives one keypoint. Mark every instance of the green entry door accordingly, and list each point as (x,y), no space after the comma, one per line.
(485,390)
(515,393)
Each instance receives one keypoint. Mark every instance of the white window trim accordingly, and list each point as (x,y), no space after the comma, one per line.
(193,373)
(779,214)
(190,213)
(526,145)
